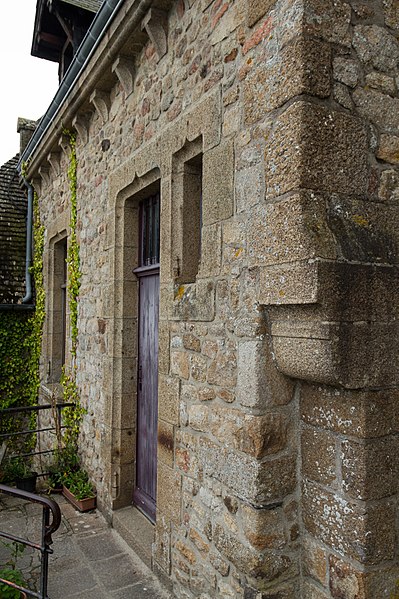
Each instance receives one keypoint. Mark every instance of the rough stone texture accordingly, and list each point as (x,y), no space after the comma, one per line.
(259,483)
(273,83)
(286,113)
(315,148)
(217,199)
(362,414)
(319,456)
(391,14)
(375,45)
(389,186)
(289,230)
(315,561)
(254,435)
(365,535)
(382,110)
(357,480)
(346,71)
(312,591)
(257,9)
(348,583)
(293,283)
(328,19)
(388,149)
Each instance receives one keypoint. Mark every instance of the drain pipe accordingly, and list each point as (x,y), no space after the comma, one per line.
(28,258)
(26,302)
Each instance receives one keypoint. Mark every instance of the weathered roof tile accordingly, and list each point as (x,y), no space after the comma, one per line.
(13,205)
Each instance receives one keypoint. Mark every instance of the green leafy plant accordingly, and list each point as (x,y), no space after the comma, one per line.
(20,346)
(17,468)
(10,571)
(72,415)
(66,461)
(73,259)
(79,485)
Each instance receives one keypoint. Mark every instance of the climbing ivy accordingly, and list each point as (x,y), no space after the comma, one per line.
(21,340)
(72,416)
(73,261)
(17,364)
(40,296)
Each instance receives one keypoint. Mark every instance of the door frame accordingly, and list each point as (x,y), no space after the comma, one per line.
(140,499)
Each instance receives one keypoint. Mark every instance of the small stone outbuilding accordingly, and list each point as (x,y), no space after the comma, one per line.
(237,222)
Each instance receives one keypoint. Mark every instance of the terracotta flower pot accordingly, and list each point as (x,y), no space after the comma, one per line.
(83,505)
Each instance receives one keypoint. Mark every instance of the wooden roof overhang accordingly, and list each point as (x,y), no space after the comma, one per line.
(94,71)
(54,21)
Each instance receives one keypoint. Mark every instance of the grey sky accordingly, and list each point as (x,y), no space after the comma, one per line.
(28,84)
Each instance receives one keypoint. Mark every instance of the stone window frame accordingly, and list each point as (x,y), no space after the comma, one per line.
(187,186)
(58,307)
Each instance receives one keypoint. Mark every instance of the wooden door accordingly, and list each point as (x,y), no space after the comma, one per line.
(147,392)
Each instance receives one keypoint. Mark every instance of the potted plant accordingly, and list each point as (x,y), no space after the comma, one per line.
(18,471)
(11,573)
(79,490)
(66,461)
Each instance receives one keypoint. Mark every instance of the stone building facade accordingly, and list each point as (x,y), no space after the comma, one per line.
(270,132)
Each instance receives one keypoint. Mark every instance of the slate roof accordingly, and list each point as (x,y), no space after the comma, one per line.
(91,5)
(13,205)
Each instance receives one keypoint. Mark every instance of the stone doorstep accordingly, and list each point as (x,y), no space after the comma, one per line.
(139,534)
(136,530)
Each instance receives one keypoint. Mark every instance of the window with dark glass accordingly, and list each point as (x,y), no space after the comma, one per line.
(149,219)
(59,310)
(63,302)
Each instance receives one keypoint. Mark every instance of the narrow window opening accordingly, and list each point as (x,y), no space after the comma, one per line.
(191,219)
(149,219)
(59,310)
(64,302)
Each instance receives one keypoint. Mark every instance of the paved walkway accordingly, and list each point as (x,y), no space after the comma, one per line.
(90,559)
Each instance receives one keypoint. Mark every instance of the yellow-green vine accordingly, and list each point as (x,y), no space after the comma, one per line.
(20,343)
(73,260)
(72,416)
(37,272)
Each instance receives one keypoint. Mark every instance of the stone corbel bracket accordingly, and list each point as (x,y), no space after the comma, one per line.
(81,123)
(123,68)
(155,23)
(37,185)
(64,144)
(101,103)
(44,172)
(53,158)
(333,322)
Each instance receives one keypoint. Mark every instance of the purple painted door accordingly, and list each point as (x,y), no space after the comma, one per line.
(144,495)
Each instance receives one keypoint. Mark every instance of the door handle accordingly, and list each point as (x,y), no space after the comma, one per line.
(140,377)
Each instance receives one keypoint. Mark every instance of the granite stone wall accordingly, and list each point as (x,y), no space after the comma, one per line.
(277,447)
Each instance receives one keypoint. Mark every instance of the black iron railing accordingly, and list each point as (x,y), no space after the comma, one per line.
(49,526)
(56,410)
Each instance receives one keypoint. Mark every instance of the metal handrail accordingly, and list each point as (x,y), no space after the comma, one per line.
(48,528)
(33,409)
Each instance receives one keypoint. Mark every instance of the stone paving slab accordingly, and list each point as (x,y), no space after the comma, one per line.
(90,560)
